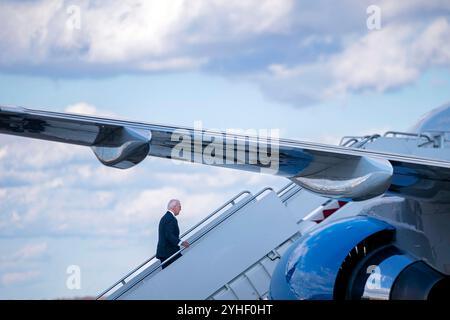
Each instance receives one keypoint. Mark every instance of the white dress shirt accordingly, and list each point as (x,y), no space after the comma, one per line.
(179,243)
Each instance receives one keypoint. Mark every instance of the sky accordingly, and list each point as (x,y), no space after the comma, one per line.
(317,71)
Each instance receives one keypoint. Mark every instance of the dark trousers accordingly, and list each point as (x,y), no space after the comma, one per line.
(167,262)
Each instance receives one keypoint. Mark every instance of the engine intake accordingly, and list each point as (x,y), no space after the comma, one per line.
(389,273)
(354,259)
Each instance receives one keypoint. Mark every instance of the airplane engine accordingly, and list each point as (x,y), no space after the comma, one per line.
(354,258)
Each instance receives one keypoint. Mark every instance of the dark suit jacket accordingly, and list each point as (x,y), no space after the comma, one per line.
(168,236)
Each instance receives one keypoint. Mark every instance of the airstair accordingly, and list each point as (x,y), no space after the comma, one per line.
(233,251)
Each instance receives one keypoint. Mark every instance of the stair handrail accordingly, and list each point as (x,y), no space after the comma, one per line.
(279,192)
(240,206)
(293,191)
(122,280)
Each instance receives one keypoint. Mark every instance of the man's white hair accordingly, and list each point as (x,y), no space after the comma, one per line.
(172,204)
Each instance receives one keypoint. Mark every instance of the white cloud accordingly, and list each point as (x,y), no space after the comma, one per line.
(298,52)
(394,56)
(179,63)
(88,109)
(14,278)
(378,60)
(2,193)
(24,256)
(37,153)
(97,175)
(81,108)
(219,180)
(150,204)
(31,251)
(135,32)
(3,152)
(432,46)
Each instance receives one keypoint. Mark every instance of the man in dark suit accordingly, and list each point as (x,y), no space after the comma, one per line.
(169,234)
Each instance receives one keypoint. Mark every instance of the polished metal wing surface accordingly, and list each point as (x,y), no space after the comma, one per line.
(333,171)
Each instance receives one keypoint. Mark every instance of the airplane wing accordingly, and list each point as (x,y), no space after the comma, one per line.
(333,171)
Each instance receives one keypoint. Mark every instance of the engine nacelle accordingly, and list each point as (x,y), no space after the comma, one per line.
(354,258)
(122,148)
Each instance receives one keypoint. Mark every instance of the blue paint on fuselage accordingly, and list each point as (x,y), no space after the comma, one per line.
(309,268)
